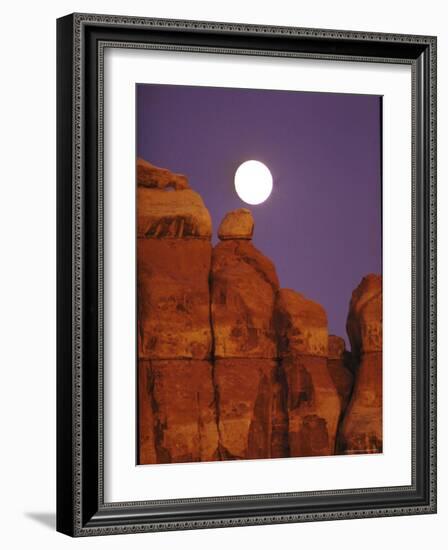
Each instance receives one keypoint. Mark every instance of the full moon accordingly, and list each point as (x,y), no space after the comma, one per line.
(253,182)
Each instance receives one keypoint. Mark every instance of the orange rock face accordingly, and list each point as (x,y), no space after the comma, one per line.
(312,401)
(173,298)
(172,215)
(339,369)
(243,289)
(246,398)
(365,318)
(149,175)
(181,397)
(361,430)
(301,325)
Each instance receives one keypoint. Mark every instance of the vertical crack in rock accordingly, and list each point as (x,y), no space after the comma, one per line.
(259,441)
(221,453)
(340,369)
(312,400)
(280,424)
(147,447)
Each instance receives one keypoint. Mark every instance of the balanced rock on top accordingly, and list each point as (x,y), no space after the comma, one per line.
(237,224)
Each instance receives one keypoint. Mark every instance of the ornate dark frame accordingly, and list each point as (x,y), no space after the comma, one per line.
(81,39)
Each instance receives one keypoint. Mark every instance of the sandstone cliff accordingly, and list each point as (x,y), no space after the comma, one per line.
(176,394)
(230,365)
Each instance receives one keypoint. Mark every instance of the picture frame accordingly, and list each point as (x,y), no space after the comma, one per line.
(81,506)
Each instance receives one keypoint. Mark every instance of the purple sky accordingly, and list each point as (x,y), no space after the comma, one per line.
(321,225)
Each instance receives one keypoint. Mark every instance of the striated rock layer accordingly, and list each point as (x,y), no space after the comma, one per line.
(172,215)
(361,430)
(313,404)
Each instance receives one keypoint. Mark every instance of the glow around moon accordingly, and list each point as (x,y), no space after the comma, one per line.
(253,182)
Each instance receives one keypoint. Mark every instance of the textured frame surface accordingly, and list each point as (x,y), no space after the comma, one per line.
(81,42)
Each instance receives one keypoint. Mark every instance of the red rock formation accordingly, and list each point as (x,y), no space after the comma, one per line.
(181,396)
(365,317)
(152,176)
(176,396)
(312,400)
(172,215)
(231,367)
(173,298)
(243,286)
(338,367)
(244,283)
(361,430)
(245,404)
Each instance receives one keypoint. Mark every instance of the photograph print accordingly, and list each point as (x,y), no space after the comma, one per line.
(259,274)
